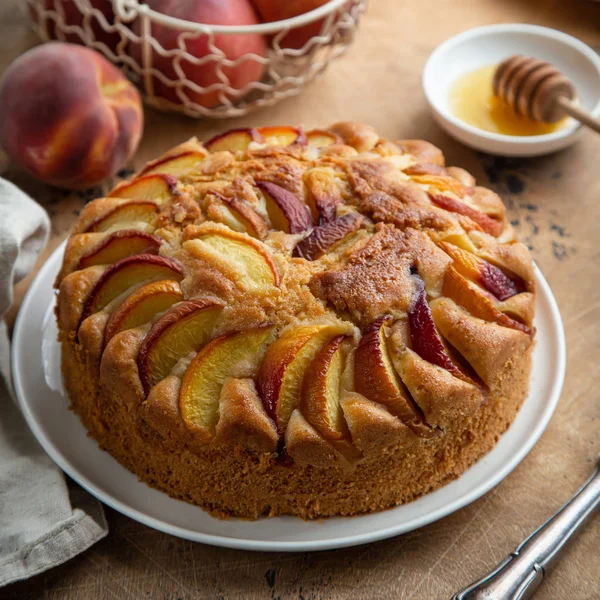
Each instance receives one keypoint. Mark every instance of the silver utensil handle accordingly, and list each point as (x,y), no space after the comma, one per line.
(522,571)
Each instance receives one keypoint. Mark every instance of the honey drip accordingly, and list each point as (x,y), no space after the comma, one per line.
(472,101)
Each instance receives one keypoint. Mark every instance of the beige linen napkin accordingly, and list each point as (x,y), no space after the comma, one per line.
(41,523)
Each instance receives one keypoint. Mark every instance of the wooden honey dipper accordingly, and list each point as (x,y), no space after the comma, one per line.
(537,90)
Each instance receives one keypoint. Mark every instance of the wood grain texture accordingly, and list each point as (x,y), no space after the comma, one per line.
(554,204)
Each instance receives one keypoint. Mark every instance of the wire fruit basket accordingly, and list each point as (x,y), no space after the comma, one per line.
(214,71)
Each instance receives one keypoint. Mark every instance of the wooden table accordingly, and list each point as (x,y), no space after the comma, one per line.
(554,203)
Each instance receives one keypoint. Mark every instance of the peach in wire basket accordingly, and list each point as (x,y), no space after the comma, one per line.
(215,71)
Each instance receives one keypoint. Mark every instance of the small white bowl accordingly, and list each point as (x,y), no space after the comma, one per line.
(492,44)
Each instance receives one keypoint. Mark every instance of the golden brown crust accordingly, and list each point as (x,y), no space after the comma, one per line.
(212,224)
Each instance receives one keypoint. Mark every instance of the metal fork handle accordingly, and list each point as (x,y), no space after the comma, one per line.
(521,572)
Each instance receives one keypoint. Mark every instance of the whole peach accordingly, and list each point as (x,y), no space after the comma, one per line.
(73,17)
(68,116)
(279,10)
(233,47)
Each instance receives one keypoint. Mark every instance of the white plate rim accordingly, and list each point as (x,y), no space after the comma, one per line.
(55,454)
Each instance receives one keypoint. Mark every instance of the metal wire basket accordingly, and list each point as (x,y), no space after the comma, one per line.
(185,67)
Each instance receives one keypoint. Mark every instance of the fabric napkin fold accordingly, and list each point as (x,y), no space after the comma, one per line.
(42,523)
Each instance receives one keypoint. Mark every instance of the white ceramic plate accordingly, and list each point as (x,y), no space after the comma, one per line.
(64,438)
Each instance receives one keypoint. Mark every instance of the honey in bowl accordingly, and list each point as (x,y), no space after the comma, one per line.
(473,101)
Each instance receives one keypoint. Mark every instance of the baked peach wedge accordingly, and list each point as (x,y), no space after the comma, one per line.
(246,260)
(376,379)
(477,301)
(136,214)
(286,212)
(487,224)
(230,355)
(244,217)
(118,245)
(424,338)
(176,165)
(126,273)
(319,138)
(234,140)
(322,239)
(142,306)
(183,329)
(282,135)
(287,361)
(489,276)
(320,402)
(158,187)
(322,194)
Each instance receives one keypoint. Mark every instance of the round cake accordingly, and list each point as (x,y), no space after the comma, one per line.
(303,323)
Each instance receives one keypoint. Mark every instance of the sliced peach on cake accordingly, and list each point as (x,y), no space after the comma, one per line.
(118,245)
(489,225)
(229,355)
(179,164)
(440,183)
(142,305)
(247,259)
(248,220)
(126,273)
(491,277)
(234,140)
(128,215)
(322,239)
(184,329)
(286,212)
(424,338)
(158,187)
(279,382)
(282,135)
(319,138)
(322,194)
(475,300)
(376,379)
(321,391)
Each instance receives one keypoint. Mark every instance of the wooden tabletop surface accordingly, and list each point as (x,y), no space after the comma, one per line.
(554,202)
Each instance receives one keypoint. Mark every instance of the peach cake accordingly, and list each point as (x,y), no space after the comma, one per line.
(306,323)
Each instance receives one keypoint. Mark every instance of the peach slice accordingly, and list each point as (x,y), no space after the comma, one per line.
(491,277)
(425,169)
(252,223)
(234,140)
(177,165)
(126,214)
(282,136)
(286,211)
(124,274)
(320,402)
(319,138)
(322,239)
(424,338)
(441,183)
(229,355)
(250,259)
(279,382)
(183,329)
(142,305)
(118,245)
(476,302)
(376,379)
(486,223)
(322,194)
(159,187)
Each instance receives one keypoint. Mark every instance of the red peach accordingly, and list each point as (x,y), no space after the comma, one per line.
(209,12)
(68,116)
(278,10)
(73,17)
